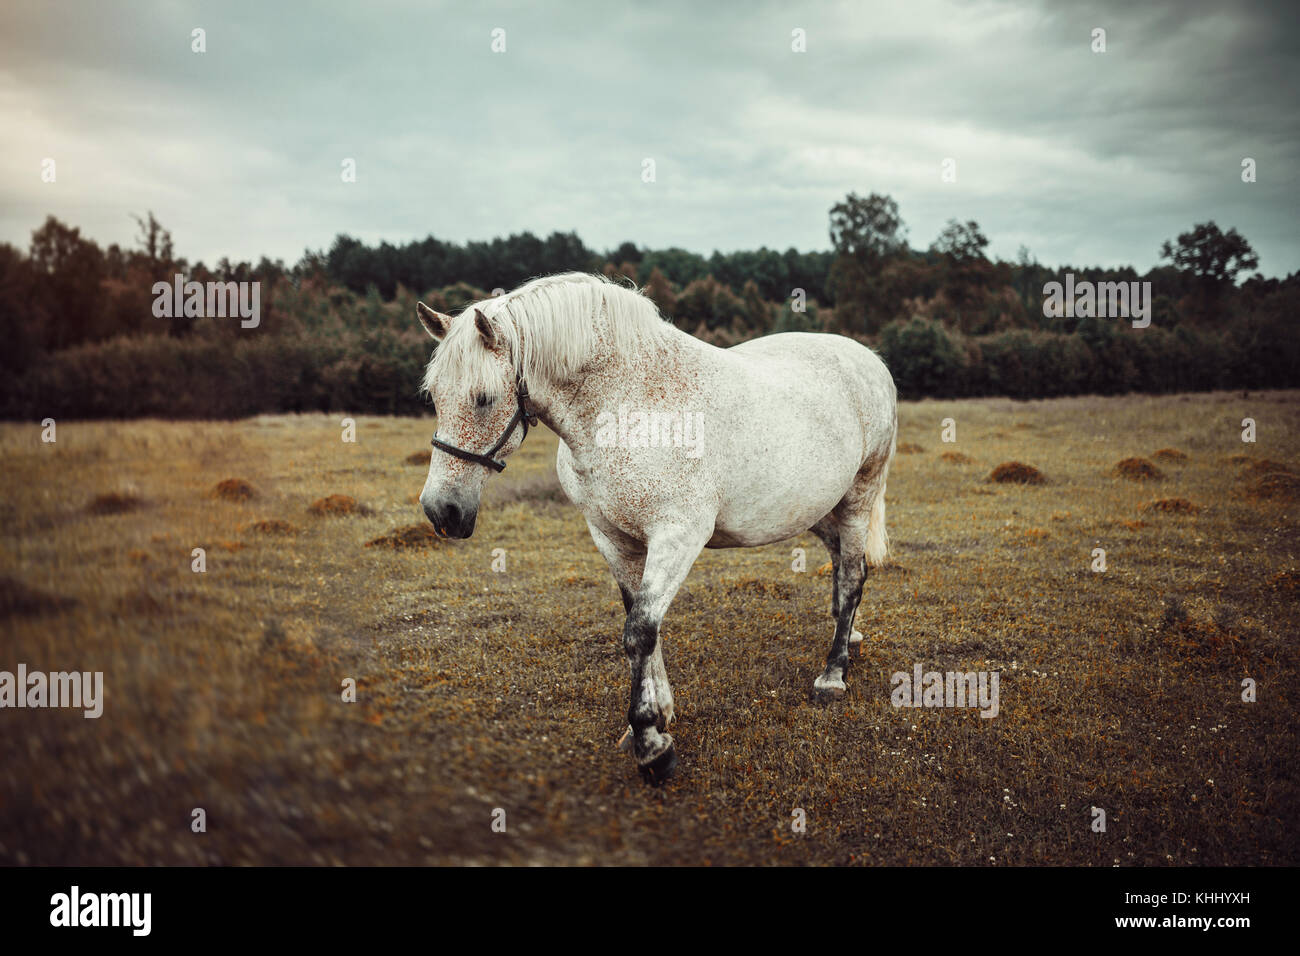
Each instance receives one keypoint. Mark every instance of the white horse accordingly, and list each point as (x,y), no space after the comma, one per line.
(791,432)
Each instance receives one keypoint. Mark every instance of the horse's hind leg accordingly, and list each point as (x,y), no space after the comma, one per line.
(828,530)
(852,575)
(853,517)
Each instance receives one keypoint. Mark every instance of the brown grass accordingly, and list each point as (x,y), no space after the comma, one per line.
(532,488)
(1170,454)
(758,586)
(338,505)
(114,503)
(479,689)
(957,458)
(1016,473)
(1286,582)
(408,537)
(273,526)
(1172,506)
(1136,469)
(909,448)
(421,457)
(233,489)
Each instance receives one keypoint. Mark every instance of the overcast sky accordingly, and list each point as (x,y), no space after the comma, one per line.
(1086,158)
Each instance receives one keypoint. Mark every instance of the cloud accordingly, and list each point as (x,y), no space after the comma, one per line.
(1087,158)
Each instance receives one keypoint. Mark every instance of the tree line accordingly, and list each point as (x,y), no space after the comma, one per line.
(337,334)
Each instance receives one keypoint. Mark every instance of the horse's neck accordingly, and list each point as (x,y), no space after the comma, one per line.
(570,408)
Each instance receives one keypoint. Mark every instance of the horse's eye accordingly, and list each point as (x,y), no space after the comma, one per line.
(482,401)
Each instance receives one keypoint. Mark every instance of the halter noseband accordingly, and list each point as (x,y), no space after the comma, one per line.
(521,415)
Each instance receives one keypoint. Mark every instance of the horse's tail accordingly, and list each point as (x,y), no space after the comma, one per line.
(877,536)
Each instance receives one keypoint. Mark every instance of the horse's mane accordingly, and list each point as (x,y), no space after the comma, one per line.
(550,327)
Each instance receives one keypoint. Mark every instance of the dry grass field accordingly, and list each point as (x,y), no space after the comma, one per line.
(480,689)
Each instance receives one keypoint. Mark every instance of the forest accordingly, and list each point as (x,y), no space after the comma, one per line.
(336,330)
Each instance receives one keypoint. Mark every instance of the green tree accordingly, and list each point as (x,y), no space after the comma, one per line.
(69,270)
(865,232)
(1211,258)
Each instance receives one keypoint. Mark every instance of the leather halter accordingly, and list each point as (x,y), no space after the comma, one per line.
(521,415)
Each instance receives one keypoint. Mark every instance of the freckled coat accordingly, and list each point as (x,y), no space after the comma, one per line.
(795,433)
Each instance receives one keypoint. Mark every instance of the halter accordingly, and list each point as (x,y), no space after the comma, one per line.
(521,415)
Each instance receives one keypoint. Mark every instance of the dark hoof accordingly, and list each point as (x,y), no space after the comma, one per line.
(661,768)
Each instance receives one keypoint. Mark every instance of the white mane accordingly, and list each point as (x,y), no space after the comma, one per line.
(551,327)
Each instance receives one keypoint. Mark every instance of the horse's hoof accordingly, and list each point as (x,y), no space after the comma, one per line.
(828,691)
(662,767)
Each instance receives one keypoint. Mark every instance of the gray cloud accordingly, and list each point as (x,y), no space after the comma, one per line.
(1085,158)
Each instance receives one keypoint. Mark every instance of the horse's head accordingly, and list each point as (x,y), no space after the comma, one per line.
(477,397)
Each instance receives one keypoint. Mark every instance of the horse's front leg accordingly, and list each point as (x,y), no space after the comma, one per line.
(669,556)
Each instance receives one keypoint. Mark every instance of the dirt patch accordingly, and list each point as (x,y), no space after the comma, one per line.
(957,458)
(332,505)
(1170,454)
(910,448)
(17,599)
(233,489)
(1267,466)
(142,603)
(411,536)
(1172,506)
(1238,459)
(1279,486)
(272,526)
(1136,469)
(1016,473)
(114,503)
(421,457)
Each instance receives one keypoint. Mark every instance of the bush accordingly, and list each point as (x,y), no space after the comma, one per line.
(923,357)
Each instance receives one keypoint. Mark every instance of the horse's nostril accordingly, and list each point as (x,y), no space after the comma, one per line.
(451,517)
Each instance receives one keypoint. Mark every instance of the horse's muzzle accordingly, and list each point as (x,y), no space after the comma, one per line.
(450,519)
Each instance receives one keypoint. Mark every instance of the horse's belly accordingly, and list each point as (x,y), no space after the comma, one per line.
(754,520)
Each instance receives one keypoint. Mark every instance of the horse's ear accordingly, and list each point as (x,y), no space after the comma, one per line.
(486,330)
(435,323)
